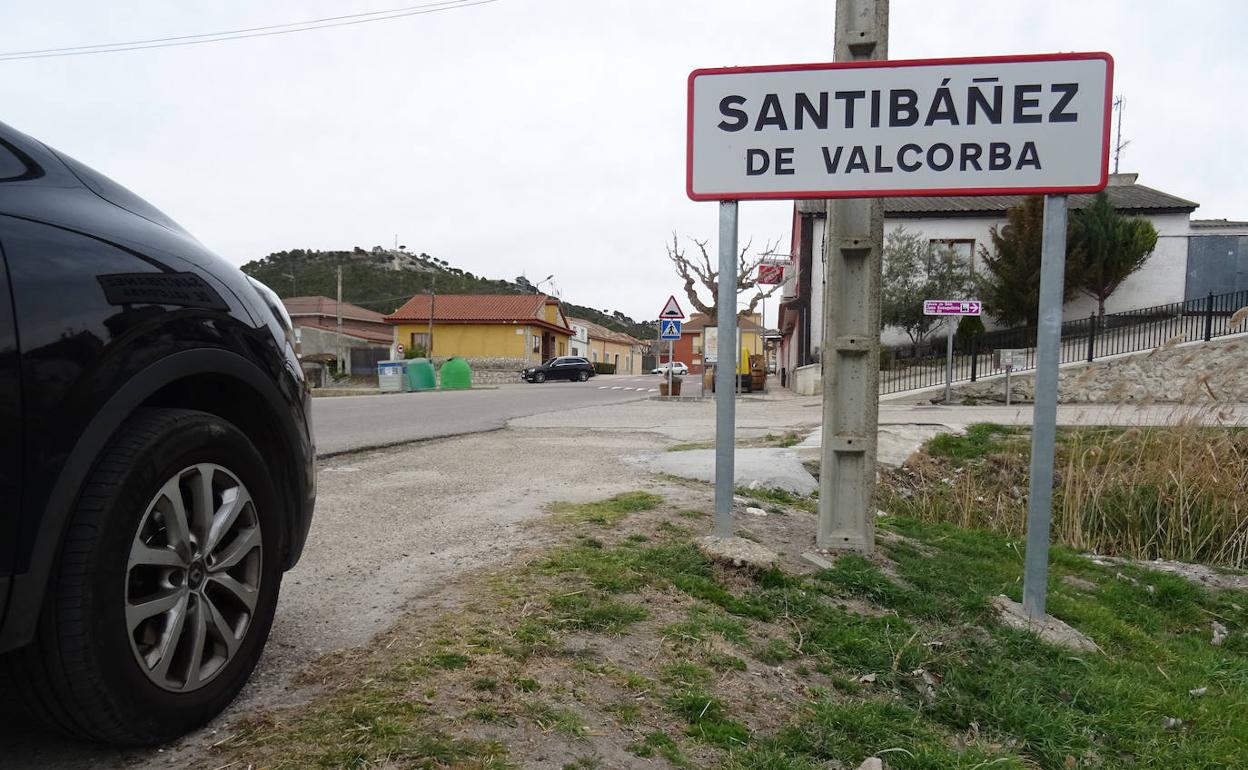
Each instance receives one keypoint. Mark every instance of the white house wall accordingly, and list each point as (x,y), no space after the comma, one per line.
(817,270)
(1162,280)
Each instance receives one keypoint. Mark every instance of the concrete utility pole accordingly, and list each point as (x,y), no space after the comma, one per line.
(851,326)
(341,363)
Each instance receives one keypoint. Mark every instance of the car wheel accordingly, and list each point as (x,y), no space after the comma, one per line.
(539,377)
(582,376)
(166,585)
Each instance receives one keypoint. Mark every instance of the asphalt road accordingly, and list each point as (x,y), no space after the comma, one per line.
(347,423)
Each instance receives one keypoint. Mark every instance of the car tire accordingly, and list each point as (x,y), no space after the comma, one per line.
(582,376)
(86,671)
(539,377)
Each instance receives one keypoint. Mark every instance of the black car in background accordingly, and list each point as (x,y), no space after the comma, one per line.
(156,462)
(560,368)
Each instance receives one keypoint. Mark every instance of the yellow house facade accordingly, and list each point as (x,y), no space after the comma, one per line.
(608,346)
(522,327)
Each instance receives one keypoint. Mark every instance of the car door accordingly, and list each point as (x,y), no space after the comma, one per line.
(564,369)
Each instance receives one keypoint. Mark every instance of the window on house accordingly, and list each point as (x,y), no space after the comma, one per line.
(420,341)
(962,248)
(697,344)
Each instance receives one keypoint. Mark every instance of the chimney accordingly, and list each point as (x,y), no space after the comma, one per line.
(1122,180)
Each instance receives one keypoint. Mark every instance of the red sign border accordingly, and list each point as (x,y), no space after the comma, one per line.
(922,192)
(672,301)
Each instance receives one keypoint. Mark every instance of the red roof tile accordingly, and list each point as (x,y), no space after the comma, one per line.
(600,332)
(356,330)
(477,308)
(298,306)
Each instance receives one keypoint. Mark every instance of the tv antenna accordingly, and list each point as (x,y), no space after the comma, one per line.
(1119,104)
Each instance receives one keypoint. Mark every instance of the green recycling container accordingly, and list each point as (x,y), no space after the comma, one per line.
(420,374)
(456,375)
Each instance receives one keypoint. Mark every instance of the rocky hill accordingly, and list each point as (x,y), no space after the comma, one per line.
(383,279)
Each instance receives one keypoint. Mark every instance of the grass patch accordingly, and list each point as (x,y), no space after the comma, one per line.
(780,497)
(977,441)
(605,512)
(679,658)
(1164,492)
(657,744)
(593,612)
(552,719)
(686,446)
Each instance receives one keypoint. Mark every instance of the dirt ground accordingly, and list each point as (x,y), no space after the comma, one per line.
(392,527)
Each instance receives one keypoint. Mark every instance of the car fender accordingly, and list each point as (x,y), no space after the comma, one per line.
(28,588)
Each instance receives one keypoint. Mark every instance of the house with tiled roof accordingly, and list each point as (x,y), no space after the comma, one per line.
(1183,265)
(513,327)
(691,346)
(365,340)
(602,345)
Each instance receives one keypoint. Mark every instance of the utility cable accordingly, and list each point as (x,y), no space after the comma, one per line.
(241,34)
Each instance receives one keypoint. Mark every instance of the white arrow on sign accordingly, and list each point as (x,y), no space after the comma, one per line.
(672,309)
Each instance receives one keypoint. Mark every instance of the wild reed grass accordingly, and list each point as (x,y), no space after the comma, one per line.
(1176,492)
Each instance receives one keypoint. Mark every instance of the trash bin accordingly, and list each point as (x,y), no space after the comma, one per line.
(456,375)
(420,374)
(391,375)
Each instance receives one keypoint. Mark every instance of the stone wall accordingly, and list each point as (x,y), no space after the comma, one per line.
(491,371)
(1202,372)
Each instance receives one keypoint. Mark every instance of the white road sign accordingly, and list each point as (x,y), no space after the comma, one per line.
(1008,124)
(952,307)
(671,309)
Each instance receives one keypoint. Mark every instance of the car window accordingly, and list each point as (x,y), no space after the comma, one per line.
(11,165)
(551,362)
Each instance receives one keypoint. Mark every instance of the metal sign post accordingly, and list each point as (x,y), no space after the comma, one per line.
(951,309)
(669,329)
(725,370)
(671,364)
(1044,413)
(1010,359)
(949,330)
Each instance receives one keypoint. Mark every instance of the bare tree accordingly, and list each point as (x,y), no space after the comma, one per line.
(700,271)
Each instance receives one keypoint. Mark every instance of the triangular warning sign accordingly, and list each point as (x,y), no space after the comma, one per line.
(671,309)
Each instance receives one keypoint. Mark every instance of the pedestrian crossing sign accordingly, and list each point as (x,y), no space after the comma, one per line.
(669,330)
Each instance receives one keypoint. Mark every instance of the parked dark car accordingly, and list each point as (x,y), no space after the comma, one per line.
(156,462)
(561,368)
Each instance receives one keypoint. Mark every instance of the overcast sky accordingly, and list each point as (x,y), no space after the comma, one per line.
(539,136)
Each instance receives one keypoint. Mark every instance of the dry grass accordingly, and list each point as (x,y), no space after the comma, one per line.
(1176,493)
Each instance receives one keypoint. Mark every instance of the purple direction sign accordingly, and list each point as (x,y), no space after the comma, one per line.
(952,307)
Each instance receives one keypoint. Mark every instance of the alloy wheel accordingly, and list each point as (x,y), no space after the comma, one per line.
(193,577)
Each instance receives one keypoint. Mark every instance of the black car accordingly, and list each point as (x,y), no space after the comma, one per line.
(561,368)
(156,459)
